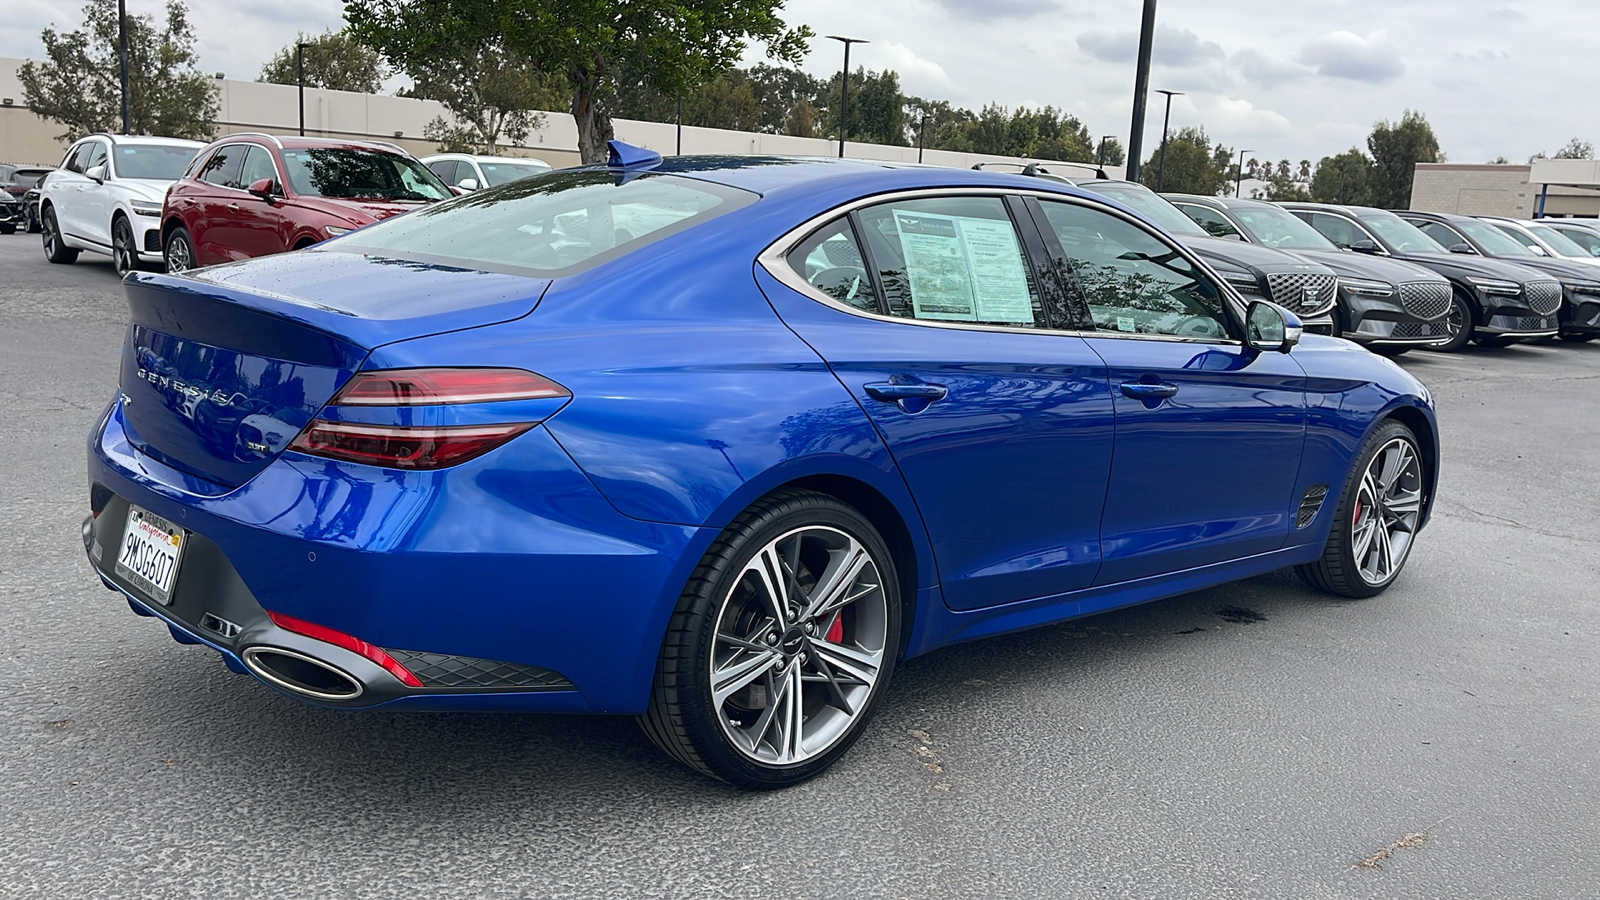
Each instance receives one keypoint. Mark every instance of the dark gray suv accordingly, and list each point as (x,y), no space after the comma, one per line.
(1388,305)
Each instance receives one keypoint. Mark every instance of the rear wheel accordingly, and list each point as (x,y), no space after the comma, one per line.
(1376,519)
(124,257)
(179,251)
(781,645)
(1458,324)
(54,250)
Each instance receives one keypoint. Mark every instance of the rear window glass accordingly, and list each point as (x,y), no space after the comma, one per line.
(549,225)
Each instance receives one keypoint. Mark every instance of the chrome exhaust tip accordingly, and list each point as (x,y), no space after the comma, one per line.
(300,674)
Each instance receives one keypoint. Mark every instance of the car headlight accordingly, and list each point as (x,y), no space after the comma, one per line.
(1496,286)
(1239,278)
(336,230)
(1364,286)
(145,207)
(1582,287)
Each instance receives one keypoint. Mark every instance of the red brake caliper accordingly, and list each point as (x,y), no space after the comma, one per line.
(835,633)
(1358,513)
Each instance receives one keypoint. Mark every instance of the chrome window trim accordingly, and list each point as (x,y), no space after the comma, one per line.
(774,260)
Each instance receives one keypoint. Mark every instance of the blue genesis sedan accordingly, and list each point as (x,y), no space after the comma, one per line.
(717,442)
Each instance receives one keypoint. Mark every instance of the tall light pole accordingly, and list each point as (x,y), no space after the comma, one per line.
(1161,167)
(680,124)
(844,83)
(300,76)
(1238,174)
(122,61)
(1100,158)
(1141,88)
(922,129)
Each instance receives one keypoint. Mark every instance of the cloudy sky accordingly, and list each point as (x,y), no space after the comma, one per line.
(1297,79)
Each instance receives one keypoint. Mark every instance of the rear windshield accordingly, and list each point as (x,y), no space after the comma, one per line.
(152,161)
(351,174)
(549,225)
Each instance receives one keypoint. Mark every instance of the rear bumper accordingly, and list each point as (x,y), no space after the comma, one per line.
(508,585)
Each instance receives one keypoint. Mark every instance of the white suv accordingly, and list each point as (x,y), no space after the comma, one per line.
(469,173)
(106,198)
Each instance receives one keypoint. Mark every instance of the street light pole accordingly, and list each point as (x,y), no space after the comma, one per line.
(122,61)
(922,129)
(300,77)
(1161,168)
(680,124)
(1238,173)
(844,84)
(1141,88)
(1100,158)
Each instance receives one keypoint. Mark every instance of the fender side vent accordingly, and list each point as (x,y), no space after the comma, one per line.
(1310,504)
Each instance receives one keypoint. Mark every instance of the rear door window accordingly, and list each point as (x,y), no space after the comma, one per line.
(952,259)
(830,260)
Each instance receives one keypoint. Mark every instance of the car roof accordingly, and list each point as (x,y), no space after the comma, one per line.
(781,174)
(146,139)
(481,158)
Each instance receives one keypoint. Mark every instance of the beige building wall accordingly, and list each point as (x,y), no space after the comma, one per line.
(274,108)
(1511,191)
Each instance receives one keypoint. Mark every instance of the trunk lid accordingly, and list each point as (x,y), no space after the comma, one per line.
(222,367)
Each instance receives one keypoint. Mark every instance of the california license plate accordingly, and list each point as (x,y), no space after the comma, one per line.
(151,548)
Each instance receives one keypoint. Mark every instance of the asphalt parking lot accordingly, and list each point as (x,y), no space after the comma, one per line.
(1253,741)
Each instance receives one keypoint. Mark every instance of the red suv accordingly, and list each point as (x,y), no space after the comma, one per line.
(253,194)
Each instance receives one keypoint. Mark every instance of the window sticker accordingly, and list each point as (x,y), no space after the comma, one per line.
(964,269)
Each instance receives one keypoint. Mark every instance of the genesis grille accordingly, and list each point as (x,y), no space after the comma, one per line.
(1303,293)
(1544,296)
(1425,299)
(1309,504)
(440,670)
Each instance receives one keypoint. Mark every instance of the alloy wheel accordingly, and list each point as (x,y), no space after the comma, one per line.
(799,641)
(122,248)
(49,236)
(179,258)
(1387,508)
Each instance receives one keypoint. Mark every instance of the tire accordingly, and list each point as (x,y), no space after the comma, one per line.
(1579,338)
(31,223)
(8,228)
(1359,525)
(725,621)
(124,252)
(178,251)
(1460,319)
(54,249)
(1389,351)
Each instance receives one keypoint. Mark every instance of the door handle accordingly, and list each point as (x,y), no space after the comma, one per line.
(1141,391)
(893,392)
(233,206)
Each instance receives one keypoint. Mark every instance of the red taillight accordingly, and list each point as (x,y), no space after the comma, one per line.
(401,446)
(433,387)
(353,644)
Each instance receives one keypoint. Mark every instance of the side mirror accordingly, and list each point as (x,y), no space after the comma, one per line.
(265,188)
(1462,248)
(97,174)
(1366,245)
(468,184)
(1234,236)
(1271,327)
(1537,250)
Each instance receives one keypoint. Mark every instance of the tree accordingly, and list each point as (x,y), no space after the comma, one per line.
(877,108)
(1499,161)
(1193,165)
(79,83)
(454,53)
(1343,178)
(1396,148)
(333,60)
(1285,183)
(1576,149)
(1110,149)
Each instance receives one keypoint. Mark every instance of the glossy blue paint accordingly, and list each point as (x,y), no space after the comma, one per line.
(1033,490)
